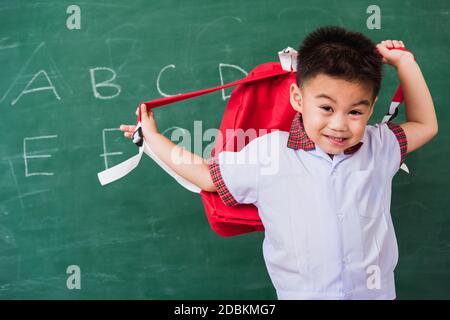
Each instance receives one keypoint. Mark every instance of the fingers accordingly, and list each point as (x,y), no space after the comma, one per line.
(128,130)
(147,119)
(143,107)
(393,44)
(128,135)
(397,44)
(383,51)
(382,48)
(144,111)
(387,43)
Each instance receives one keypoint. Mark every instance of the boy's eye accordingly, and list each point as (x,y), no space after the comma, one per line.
(353,112)
(325,108)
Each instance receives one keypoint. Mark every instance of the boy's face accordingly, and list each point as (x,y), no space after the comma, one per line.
(340,117)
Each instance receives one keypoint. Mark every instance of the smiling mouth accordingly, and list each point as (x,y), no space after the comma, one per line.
(336,139)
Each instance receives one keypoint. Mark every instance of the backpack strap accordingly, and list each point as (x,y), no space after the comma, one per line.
(288,64)
(273,70)
(397,99)
(392,111)
(122,169)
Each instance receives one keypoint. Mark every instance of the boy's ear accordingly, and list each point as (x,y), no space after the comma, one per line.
(295,97)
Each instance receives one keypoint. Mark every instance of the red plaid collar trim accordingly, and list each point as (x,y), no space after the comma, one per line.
(298,139)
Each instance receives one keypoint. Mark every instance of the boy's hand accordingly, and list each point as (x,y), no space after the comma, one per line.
(393,57)
(147,121)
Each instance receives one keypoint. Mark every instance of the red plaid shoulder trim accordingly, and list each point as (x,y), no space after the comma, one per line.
(216,175)
(401,137)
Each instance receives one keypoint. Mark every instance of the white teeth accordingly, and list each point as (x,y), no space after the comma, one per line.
(337,139)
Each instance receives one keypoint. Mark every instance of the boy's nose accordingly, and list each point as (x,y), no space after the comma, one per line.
(337,125)
(339,128)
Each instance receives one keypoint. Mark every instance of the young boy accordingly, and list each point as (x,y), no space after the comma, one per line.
(326,209)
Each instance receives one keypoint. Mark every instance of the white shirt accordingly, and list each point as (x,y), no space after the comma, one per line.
(328,227)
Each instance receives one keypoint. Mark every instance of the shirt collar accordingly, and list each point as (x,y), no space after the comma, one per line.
(298,139)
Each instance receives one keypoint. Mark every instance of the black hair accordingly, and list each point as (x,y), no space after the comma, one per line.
(339,53)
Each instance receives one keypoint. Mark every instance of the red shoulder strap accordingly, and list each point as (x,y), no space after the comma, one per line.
(266,70)
(263,71)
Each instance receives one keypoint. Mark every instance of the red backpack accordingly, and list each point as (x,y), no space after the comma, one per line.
(260,101)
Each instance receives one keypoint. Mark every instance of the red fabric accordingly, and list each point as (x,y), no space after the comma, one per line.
(261,101)
(401,137)
(271,69)
(263,104)
(216,176)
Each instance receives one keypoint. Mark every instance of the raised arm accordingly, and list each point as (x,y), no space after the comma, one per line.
(187,164)
(421,125)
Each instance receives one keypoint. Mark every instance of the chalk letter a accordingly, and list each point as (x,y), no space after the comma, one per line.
(373,21)
(74,280)
(74,20)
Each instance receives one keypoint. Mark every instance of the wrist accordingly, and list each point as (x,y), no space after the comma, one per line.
(151,136)
(406,61)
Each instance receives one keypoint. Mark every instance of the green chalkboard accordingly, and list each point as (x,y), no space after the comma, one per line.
(64,92)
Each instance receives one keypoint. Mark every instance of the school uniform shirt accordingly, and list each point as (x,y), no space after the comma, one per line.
(328,227)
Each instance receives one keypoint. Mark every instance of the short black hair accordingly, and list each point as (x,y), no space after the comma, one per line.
(339,53)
